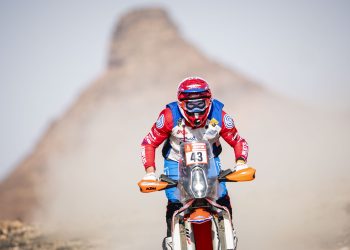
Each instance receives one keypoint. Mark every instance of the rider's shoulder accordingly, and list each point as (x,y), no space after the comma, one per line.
(166,112)
(165,120)
(227,120)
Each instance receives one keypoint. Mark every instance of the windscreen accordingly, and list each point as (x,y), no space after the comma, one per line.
(197,171)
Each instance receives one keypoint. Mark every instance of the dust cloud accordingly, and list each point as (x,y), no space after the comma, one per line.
(298,199)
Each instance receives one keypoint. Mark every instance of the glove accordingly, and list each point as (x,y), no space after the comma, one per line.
(150,177)
(240,165)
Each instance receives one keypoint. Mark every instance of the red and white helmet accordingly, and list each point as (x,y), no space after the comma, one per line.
(194,100)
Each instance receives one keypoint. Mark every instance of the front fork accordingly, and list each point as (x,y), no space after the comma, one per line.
(222,233)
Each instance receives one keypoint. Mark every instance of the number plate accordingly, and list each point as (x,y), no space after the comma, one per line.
(196,153)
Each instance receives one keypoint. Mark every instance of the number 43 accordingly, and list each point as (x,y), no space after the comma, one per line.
(197,156)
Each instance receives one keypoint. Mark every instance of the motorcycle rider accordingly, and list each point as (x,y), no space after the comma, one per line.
(195,116)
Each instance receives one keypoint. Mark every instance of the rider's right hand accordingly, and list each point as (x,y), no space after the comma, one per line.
(150,177)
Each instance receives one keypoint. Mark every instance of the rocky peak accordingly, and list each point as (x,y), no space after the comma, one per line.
(141,33)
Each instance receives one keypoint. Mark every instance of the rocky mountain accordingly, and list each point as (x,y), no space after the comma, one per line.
(81,176)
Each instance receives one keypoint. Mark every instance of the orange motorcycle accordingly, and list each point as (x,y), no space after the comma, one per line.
(200,223)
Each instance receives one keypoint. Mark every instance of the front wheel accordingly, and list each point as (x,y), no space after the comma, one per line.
(203,235)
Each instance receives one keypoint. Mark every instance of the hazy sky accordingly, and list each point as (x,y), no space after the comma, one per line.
(50,50)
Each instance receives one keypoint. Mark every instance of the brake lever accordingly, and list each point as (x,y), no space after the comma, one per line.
(171,182)
(224,173)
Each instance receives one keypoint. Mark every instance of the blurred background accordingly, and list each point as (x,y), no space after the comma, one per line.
(83,81)
(51,51)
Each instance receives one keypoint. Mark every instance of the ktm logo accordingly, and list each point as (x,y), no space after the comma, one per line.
(150,188)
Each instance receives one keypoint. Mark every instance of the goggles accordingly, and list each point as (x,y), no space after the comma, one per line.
(195,106)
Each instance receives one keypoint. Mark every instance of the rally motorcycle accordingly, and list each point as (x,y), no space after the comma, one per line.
(200,223)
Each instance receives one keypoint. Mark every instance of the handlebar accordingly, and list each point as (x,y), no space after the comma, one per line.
(228,175)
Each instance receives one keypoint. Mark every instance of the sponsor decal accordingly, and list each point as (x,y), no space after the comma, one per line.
(189,138)
(228,121)
(151,188)
(179,122)
(218,163)
(143,154)
(213,122)
(160,121)
(152,135)
(245,149)
(156,133)
(235,136)
(180,131)
(188,236)
(194,86)
(188,148)
(211,132)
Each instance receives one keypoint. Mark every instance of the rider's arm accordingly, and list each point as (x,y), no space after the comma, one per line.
(230,134)
(160,131)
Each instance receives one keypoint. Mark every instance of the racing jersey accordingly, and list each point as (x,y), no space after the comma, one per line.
(172,127)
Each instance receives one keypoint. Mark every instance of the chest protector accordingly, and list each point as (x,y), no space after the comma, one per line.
(180,132)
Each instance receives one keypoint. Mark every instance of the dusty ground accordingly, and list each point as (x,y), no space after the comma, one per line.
(15,235)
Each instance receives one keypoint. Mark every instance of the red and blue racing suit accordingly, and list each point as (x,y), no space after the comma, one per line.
(173,128)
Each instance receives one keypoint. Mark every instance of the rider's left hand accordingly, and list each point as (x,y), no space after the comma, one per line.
(150,177)
(240,164)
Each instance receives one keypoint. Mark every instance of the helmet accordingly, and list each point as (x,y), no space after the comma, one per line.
(194,100)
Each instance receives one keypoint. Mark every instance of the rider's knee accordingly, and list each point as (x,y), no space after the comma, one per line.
(172,207)
(225,201)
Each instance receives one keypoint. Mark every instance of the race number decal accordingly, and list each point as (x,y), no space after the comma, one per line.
(196,153)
